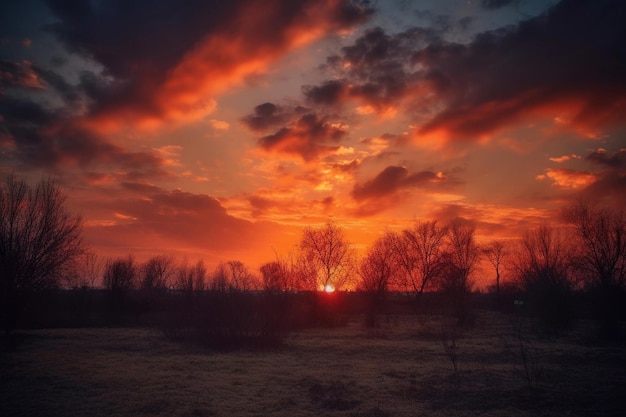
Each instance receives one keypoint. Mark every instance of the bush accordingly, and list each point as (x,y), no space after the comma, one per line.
(228,320)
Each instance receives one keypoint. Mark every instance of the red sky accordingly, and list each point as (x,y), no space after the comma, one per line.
(218,130)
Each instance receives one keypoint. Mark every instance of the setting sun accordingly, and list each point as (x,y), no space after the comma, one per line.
(329,288)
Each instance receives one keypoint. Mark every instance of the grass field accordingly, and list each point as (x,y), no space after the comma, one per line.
(398,369)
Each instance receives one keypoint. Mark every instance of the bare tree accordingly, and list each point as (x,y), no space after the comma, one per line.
(329,255)
(120,275)
(199,276)
(92,269)
(157,272)
(232,276)
(420,253)
(302,273)
(88,271)
(377,272)
(462,255)
(600,252)
(377,269)
(543,272)
(495,252)
(599,255)
(275,276)
(40,240)
(543,259)
(190,278)
(240,276)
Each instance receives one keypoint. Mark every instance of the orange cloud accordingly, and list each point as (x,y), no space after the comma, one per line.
(21,74)
(252,35)
(568,178)
(564,158)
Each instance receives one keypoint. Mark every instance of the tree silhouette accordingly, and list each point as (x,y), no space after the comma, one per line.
(599,255)
(420,254)
(40,240)
(156,273)
(543,273)
(274,276)
(600,252)
(91,268)
(328,254)
(495,252)
(190,278)
(377,270)
(232,276)
(462,256)
(120,275)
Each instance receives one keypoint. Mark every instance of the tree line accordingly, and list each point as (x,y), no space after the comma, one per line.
(41,247)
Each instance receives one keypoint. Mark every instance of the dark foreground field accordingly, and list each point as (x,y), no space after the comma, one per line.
(399,369)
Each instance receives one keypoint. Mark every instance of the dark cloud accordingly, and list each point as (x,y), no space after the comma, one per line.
(141,48)
(496,4)
(610,183)
(28,77)
(572,53)
(37,135)
(23,113)
(310,137)
(18,74)
(374,69)
(270,115)
(40,138)
(393,179)
(609,188)
(330,92)
(571,58)
(615,160)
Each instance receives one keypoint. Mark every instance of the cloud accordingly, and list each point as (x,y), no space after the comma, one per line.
(569,60)
(38,135)
(375,69)
(219,124)
(269,115)
(310,137)
(568,178)
(610,185)
(564,158)
(40,138)
(606,183)
(496,4)
(20,74)
(149,217)
(616,160)
(505,75)
(167,61)
(393,179)
(329,93)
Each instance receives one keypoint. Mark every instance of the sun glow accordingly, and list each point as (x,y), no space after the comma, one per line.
(329,288)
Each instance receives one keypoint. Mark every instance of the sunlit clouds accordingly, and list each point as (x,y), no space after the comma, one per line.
(219,130)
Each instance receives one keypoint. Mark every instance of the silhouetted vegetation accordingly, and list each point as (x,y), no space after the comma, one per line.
(599,257)
(40,240)
(544,274)
(553,275)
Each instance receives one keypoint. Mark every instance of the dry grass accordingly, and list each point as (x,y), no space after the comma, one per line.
(399,369)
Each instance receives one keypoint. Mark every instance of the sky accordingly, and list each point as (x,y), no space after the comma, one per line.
(219,130)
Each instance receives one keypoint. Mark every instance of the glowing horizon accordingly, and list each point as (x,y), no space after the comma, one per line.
(218,131)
